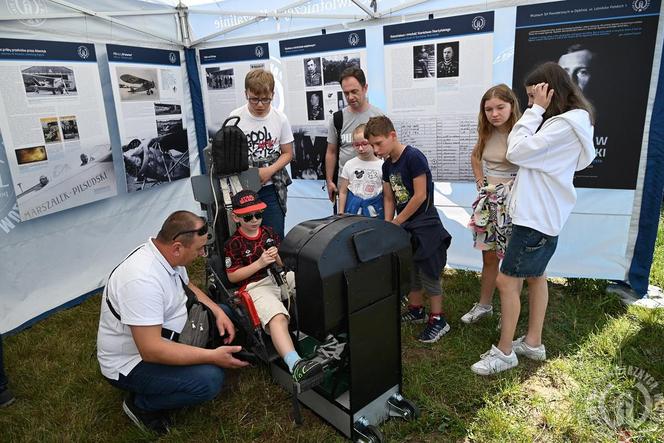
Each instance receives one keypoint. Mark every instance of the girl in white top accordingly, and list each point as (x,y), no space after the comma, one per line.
(552,140)
(490,223)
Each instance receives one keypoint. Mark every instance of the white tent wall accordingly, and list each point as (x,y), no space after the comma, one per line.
(52,260)
(598,239)
(49,262)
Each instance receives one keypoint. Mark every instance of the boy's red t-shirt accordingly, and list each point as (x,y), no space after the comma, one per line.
(241,251)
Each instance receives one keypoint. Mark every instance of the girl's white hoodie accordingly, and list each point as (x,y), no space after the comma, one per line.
(543,193)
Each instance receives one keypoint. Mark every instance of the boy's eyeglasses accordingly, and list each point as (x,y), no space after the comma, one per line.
(360,144)
(256,215)
(203,230)
(256,100)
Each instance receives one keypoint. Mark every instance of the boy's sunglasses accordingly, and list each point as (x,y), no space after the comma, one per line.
(256,215)
(203,230)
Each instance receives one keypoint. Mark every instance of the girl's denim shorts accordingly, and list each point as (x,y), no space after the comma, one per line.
(528,252)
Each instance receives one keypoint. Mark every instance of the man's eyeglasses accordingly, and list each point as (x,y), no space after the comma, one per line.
(257,100)
(203,230)
(249,217)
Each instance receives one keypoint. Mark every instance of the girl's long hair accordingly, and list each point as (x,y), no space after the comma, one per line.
(484,126)
(566,94)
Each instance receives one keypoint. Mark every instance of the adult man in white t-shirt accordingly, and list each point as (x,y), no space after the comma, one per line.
(354,86)
(145,298)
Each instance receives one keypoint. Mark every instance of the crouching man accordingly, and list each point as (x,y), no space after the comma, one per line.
(143,309)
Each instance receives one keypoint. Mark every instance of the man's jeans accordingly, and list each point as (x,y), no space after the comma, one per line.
(158,387)
(273,216)
(3,376)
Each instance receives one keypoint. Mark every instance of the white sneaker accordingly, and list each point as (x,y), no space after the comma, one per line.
(520,347)
(494,361)
(477,312)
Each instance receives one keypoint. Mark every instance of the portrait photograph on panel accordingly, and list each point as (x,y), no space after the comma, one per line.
(315,109)
(447,59)
(312,72)
(424,61)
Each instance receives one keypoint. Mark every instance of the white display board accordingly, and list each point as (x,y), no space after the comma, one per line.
(147,89)
(53,124)
(436,72)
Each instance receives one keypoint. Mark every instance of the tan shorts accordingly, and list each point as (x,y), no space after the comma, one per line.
(266,296)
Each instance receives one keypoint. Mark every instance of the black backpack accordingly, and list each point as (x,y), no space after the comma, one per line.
(230,151)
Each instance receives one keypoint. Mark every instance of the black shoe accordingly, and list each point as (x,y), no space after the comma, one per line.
(155,421)
(6,398)
(306,369)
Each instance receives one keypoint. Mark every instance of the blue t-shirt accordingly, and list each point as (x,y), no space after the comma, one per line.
(400,174)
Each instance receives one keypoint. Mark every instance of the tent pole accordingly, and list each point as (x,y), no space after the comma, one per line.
(183,21)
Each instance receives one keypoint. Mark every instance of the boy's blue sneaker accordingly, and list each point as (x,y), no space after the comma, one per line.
(413,315)
(435,329)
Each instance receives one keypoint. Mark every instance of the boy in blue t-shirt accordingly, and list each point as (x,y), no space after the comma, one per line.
(408,189)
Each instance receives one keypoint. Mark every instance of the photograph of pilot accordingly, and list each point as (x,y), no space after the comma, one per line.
(69,128)
(447,62)
(315,105)
(424,61)
(334,65)
(50,129)
(312,73)
(217,78)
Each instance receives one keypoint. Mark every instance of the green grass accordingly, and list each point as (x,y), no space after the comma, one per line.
(62,397)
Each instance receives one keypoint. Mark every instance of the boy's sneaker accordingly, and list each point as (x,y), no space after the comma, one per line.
(477,312)
(306,369)
(494,361)
(436,327)
(155,421)
(6,398)
(413,315)
(520,347)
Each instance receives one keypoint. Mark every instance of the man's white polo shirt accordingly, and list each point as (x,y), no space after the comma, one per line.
(145,290)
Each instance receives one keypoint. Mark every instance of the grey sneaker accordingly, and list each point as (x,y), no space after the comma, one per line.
(477,312)
(520,347)
(494,361)
(414,315)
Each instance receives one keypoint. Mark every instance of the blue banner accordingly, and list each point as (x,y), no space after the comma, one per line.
(14,49)
(583,10)
(439,28)
(229,54)
(322,43)
(150,56)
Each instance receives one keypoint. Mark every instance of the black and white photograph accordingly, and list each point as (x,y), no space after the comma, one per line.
(334,65)
(218,78)
(69,128)
(29,155)
(167,109)
(312,72)
(152,161)
(137,84)
(309,147)
(334,101)
(50,129)
(447,59)
(315,105)
(424,61)
(49,81)
(168,126)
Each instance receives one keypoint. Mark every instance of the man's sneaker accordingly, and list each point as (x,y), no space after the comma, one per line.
(520,347)
(477,312)
(494,361)
(306,369)
(6,398)
(155,421)
(436,327)
(413,315)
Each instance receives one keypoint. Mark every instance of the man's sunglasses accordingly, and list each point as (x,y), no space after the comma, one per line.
(203,230)
(256,215)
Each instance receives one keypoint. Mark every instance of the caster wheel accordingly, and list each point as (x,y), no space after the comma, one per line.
(369,434)
(403,408)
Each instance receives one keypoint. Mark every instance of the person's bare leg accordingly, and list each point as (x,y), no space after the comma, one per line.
(510,308)
(416,298)
(490,263)
(278,327)
(538,299)
(436,304)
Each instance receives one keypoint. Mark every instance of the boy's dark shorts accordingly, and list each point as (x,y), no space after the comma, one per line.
(528,252)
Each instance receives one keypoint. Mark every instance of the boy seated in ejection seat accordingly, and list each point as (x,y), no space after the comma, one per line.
(248,254)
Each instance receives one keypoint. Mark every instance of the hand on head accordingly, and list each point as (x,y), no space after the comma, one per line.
(542,95)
